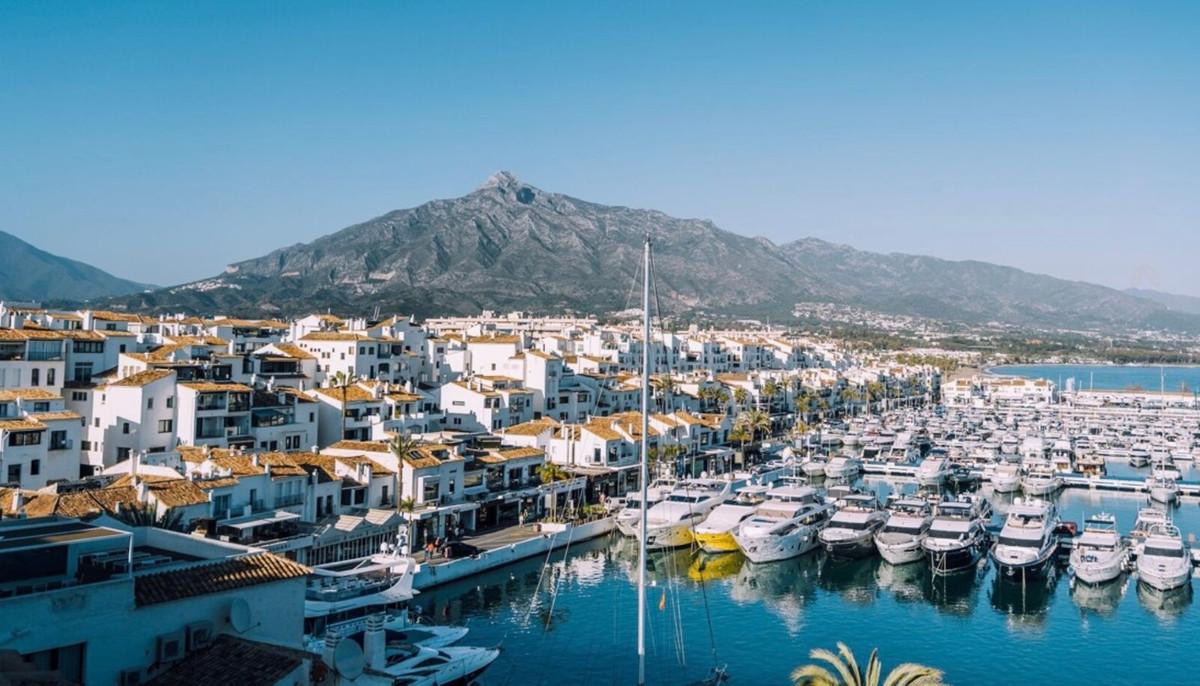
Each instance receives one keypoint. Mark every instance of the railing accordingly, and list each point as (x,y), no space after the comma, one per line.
(289,500)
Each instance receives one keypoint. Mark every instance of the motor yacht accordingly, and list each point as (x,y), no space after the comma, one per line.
(785,525)
(715,533)
(1006,478)
(814,465)
(670,522)
(1148,519)
(1099,554)
(933,471)
(1162,488)
(899,541)
(843,467)
(1164,562)
(1028,541)
(851,530)
(631,513)
(957,536)
(1040,479)
(411,665)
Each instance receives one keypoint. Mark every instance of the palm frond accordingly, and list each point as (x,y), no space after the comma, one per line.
(912,674)
(813,675)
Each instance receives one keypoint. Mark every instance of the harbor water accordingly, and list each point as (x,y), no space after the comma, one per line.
(570,617)
(1102,377)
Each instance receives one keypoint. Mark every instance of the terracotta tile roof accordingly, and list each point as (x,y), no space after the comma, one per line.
(533,428)
(494,340)
(232,660)
(218,482)
(142,378)
(176,492)
(117,334)
(282,464)
(9,394)
(210,387)
(82,335)
(293,350)
(83,504)
(218,577)
(364,446)
(301,396)
(20,425)
(55,416)
(425,456)
(335,336)
(506,454)
(110,316)
(354,394)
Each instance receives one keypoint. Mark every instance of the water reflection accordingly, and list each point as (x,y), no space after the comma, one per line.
(955,594)
(1100,599)
(785,588)
(853,580)
(707,567)
(1167,606)
(907,582)
(1024,604)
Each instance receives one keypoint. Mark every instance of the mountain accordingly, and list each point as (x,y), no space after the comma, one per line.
(511,246)
(1180,303)
(28,273)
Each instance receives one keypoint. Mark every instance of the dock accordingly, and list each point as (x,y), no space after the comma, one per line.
(505,546)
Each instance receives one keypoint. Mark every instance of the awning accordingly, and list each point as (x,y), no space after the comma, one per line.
(260,519)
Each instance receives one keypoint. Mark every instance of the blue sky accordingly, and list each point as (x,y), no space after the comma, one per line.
(163,140)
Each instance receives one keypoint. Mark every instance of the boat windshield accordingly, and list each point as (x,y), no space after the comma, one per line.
(1163,552)
(912,529)
(853,526)
(1020,542)
(949,535)
(681,498)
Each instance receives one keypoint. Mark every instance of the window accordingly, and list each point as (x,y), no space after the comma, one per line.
(34,376)
(25,438)
(14,473)
(122,454)
(170,401)
(50,376)
(58,440)
(88,346)
(165,426)
(291,442)
(149,403)
(42,406)
(35,467)
(80,396)
(124,427)
(83,372)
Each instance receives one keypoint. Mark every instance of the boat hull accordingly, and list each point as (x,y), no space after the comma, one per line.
(850,548)
(670,536)
(1099,570)
(1164,580)
(775,548)
(1006,484)
(900,553)
(950,560)
(1034,568)
(716,542)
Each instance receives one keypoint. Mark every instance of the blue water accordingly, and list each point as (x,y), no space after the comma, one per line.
(765,618)
(1110,377)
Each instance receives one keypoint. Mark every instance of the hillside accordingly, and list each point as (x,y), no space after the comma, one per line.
(28,273)
(509,245)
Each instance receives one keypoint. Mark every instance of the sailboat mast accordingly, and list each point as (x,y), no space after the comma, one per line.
(645,469)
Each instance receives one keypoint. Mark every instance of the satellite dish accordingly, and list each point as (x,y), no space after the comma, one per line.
(240,617)
(348,659)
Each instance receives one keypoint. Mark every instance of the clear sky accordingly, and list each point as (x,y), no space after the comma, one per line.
(163,140)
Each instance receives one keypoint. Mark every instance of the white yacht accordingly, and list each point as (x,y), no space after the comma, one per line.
(957,536)
(902,450)
(1099,554)
(814,465)
(1040,479)
(1028,541)
(933,471)
(1148,519)
(1163,561)
(843,467)
(715,533)
(785,525)
(629,515)
(410,665)
(1006,478)
(1162,488)
(1139,457)
(669,523)
(899,541)
(851,530)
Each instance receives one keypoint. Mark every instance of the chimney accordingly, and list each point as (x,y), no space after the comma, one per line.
(254,459)
(373,642)
(134,464)
(18,500)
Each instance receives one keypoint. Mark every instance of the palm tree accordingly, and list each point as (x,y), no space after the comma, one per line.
(721,396)
(770,390)
(401,446)
(549,473)
(848,672)
(663,386)
(343,381)
(742,397)
(740,433)
(849,397)
(759,423)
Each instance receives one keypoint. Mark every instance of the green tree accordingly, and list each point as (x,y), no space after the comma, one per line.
(401,445)
(407,506)
(771,391)
(846,672)
(742,397)
(663,387)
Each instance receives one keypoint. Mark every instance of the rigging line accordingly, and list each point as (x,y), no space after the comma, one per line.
(633,285)
(542,575)
(554,596)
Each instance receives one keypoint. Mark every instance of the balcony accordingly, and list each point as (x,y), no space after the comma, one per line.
(289,500)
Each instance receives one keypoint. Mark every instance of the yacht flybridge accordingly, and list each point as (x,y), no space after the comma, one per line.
(382,579)
(785,525)
(957,536)
(1099,554)
(899,541)
(1028,541)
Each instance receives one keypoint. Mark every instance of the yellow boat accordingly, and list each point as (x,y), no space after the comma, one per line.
(715,542)
(713,567)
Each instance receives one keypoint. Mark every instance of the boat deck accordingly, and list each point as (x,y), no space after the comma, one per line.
(1190,490)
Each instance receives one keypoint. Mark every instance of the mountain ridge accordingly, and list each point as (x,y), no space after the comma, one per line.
(509,245)
(29,273)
